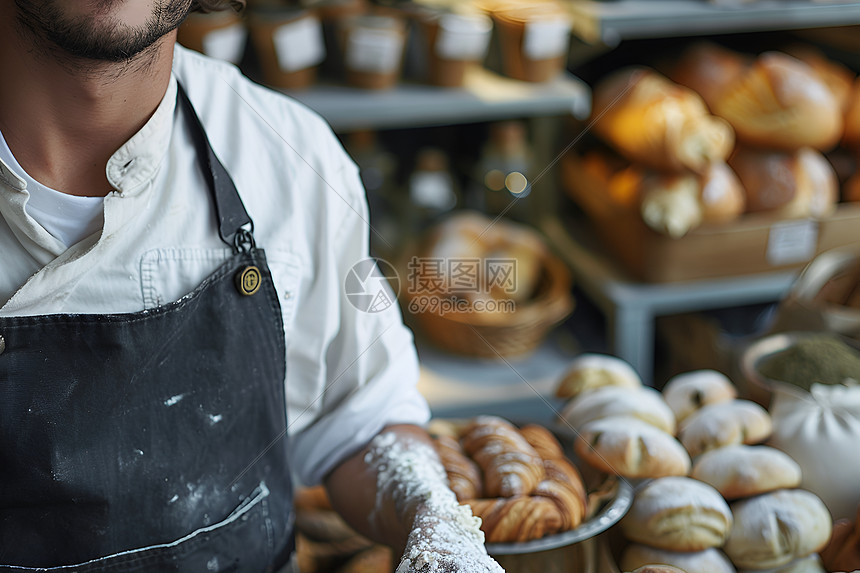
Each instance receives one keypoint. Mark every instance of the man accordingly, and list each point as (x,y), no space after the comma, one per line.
(173,245)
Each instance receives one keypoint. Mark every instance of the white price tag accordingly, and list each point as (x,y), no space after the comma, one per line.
(374,50)
(299,44)
(792,242)
(545,39)
(226,44)
(463,37)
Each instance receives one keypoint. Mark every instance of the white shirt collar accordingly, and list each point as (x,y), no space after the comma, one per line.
(137,160)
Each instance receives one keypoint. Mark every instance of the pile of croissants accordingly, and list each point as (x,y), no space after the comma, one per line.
(723,133)
(517,480)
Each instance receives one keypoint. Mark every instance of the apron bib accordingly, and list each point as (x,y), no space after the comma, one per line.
(152,441)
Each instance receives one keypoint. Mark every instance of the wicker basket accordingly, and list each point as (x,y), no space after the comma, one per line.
(508,334)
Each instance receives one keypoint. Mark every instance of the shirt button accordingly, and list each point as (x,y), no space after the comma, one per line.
(287,295)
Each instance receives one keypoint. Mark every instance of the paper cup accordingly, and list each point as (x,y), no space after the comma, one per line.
(373,51)
(289,45)
(454,41)
(534,41)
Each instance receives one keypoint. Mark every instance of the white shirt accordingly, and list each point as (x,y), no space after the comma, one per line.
(68,217)
(349,372)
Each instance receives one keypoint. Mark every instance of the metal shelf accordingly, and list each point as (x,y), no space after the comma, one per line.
(611,21)
(486,96)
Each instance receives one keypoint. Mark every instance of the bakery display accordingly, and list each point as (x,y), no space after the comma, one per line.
(708,561)
(678,514)
(654,121)
(629,447)
(644,403)
(723,424)
(591,371)
(774,528)
(739,471)
(688,392)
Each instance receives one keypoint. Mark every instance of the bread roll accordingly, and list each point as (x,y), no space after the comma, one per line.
(780,102)
(851,188)
(644,403)
(843,550)
(657,569)
(725,424)
(670,204)
(775,528)
(628,447)
(509,464)
(464,476)
(809,564)
(652,120)
(688,392)
(678,514)
(744,471)
(707,561)
(851,137)
(708,69)
(589,371)
(796,184)
(835,76)
(516,519)
(721,194)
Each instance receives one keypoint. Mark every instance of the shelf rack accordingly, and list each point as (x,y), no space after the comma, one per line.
(485,96)
(611,21)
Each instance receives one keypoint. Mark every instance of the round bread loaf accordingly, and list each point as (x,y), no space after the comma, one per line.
(657,569)
(629,447)
(686,393)
(744,471)
(725,424)
(775,528)
(809,564)
(589,371)
(678,514)
(707,561)
(644,403)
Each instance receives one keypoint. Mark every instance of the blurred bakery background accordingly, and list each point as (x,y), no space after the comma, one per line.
(562,190)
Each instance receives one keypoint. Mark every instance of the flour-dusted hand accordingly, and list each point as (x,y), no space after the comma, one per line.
(447,541)
(444,536)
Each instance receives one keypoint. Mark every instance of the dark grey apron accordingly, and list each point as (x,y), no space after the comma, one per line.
(152,441)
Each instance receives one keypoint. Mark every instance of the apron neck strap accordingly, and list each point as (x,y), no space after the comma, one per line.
(234,225)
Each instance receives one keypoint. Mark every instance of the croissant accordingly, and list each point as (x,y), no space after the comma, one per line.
(542,441)
(510,465)
(516,519)
(464,476)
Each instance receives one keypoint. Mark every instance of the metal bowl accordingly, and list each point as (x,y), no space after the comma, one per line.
(761,388)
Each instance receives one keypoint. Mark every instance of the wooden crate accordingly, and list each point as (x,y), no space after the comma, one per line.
(754,243)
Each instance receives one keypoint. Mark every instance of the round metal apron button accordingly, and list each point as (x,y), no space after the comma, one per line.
(2,344)
(248,280)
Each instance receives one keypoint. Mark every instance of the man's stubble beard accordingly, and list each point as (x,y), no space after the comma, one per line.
(89,42)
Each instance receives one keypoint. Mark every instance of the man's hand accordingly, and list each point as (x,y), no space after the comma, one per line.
(396,491)
(448,543)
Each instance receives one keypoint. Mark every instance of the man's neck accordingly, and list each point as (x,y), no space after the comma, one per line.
(64,119)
